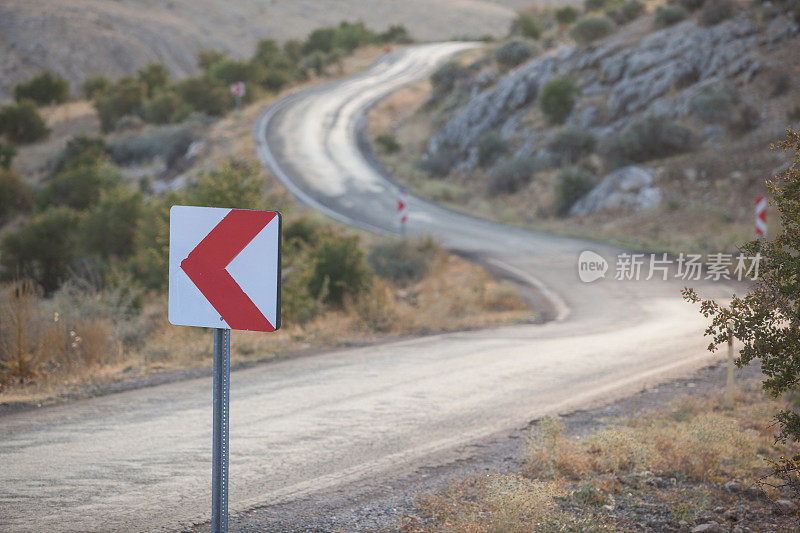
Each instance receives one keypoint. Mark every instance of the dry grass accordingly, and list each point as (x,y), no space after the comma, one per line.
(571,484)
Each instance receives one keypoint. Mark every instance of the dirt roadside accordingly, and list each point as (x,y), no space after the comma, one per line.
(381,503)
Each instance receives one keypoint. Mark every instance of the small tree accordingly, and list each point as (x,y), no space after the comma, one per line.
(767,318)
(95,86)
(558,98)
(44,89)
(155,77)
(22,123)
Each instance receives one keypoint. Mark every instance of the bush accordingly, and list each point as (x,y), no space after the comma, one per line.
(653,137)
(202,95)
(627,12)
(108,229)
(81,151)
(349,36)
(302,233)
(339,270)
(402,261)
(557,99)
(166,108)
(669,15)
(715,104)
(445,77)
(511,175)
(7,153)
(78,187)
(716,11)
(571,144)
(125,97)
(572,185)
(154,76)
(396,34)
(566,15)
(22,124)
(388,143)
(94,86)
(490,147)
(169,142)
(15,195)
(319,40)
(207,58)
(526,25)
(591,28)
(234,184)
(594,5)
(514,53)
(229,71)
(441,162)
(43,249)
(275,79)
(692,5)
(46,88)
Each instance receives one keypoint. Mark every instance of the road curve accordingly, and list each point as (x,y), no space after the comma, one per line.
(140,460)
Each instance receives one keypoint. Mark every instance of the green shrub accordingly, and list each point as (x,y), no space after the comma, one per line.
(108,229)
(150,259)
(692,5)
(275,79)
(490,147)
(627,12)
(715,104)
(302,233)
(15,195)
(591,28)
(207,58)
(445,77)
(46,88)
(268,53)
(566,15)
(509,176)
(669,15)
(350,36)
(652,137)
(716,11)
(396,34)
(166,107)
(7,153)
(388,143)
(124,98)
(573,184)
(228,71)
(94,86)
(81,151)
(22,124)
(514,53)
(79,186)
(202,95)
(557,99)
(571,144)
(234,184)
(319,40)
(526,25)
(402,261)
(441,162)
(594,5)
(43,249)
(169,142)
(339,270)
(154,76)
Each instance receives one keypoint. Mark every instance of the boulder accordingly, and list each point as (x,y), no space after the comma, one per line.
(627,189)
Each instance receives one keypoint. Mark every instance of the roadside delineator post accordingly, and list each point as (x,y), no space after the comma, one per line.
(761,218)
(224,273)
(402,210)
(238,90)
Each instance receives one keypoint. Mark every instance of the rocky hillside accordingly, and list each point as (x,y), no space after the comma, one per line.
(114,37)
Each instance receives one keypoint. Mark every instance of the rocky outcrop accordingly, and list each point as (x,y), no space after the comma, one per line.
(659,73)
(630,189)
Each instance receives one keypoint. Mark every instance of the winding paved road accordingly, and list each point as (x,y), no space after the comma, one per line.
(140,460)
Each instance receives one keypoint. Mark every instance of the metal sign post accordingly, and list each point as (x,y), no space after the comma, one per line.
(220,438)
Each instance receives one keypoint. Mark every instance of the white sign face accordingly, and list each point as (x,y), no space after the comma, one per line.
(237,89)
(224,268)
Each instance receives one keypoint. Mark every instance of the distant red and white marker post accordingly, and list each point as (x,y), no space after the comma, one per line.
(402,210)
(238,90)
(224,273)
(761,218)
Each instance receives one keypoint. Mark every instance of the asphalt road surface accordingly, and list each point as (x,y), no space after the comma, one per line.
(140,460)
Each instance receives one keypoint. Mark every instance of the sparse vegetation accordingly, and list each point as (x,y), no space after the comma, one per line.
(514,53)
(627,12)
(652,137)
(444,79)
(45,89)
(571,144)
(441,162)
(566,15)
(573,184)
(527,26)
(668,15)
(692,5)
(490,147)
(388,143)
(403,261)
(591,28)
(715,104)
(558,98)
(511,175)
(716,11)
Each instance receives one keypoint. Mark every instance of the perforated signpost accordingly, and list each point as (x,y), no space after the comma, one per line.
(224,273)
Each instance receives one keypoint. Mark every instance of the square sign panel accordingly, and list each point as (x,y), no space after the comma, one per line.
(224,268)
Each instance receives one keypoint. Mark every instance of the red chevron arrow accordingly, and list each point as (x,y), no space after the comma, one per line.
(206,266)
